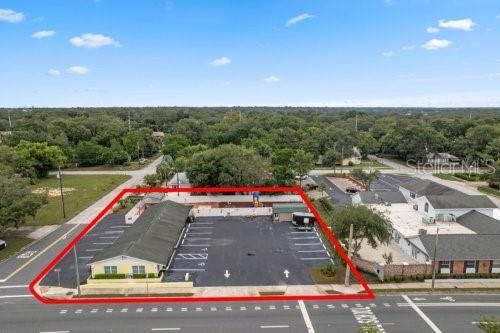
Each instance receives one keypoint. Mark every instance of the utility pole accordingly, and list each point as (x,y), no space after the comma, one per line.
(77,271)
(10,120)
(347,282)
(59,175)
(129,126)
(434,260)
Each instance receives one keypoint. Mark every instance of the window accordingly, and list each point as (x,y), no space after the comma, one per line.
(426,207)
(414,252)
(470,266)
(110,270)
(445,267)
(495,267)
(138,270)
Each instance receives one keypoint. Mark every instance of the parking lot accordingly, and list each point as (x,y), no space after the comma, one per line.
(104,234)
(246,251)
(388,182)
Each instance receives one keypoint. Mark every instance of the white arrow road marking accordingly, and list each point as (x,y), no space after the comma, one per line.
(226,275)
(286,272)
(448,298)
(418,299)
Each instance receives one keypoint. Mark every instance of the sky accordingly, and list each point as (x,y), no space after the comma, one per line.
(426,53)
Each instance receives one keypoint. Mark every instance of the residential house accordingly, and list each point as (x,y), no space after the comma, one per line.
(442,158)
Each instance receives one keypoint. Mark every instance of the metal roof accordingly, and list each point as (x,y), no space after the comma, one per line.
(460,200)
(152,237)
(427,187)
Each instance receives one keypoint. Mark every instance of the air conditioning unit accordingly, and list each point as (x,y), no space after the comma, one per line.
(428,220)
(422,232)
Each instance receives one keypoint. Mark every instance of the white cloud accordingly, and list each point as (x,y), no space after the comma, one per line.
(433,30)
(79,70)
(408,47)
(43,34)
(272,79)
(220,62)
(388,54)
(53,72)
(465,24)
(436,44)
(10,16)
(297,19)
(93,41)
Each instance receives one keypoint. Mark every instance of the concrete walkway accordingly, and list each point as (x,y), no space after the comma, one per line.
(137,176)
(441,284)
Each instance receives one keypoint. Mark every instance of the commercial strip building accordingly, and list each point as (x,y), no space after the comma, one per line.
(146,247)
(467,228)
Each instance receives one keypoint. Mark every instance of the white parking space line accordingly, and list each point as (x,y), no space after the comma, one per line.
(422,314)
(54,331)
(198,238)
(315,258)
(120,226)
(203,245)
(114,232)
(311,251)
(164,329)
(103,243)
(199,233)
(93,250)
(274,326)
(16,296)
(307,244)
(85,257)
(202,227)
(187,270)
(196,223)
(14,286)
(304,237)
(109,237)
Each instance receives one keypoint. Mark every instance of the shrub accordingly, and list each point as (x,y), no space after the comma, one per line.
(143,276)
(328,269)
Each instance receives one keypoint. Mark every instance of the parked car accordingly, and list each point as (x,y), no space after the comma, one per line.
(3,244)
(142,161)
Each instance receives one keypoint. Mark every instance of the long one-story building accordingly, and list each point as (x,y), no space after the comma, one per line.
(283,212)
(146,246)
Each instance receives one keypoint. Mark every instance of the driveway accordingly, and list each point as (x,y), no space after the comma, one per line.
(335,194)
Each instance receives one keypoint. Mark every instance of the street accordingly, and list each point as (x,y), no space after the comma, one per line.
(394,313)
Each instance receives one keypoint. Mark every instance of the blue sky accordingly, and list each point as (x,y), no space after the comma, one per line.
(249,52)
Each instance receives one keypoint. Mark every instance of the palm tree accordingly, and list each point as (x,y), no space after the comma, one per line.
(372,175)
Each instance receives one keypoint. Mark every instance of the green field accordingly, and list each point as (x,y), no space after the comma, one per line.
(80,192)
(14,244)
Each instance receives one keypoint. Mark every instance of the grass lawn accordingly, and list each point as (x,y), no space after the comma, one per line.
(130,166)
(14,244)
(489,190)
(80,192)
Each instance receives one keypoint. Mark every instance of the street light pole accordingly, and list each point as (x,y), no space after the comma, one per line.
(58,271)
(59,175)
(347,282)
(434,260)
(77,271)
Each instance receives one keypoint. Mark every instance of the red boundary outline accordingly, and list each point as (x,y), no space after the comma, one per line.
(368,294)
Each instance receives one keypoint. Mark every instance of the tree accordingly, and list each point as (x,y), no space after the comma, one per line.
(114,155)
(16,200)
(302,163)
(173,144)
(163,171)
(152,180)
(40,156)
(368,226)
(331,158)
(371,175)
(489,324)
(369,328)
(228,165)
(494,180)
(367,144)
(89,153)
(139,143)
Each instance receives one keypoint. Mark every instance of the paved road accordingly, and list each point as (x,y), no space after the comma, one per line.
(415,313)
(336,195)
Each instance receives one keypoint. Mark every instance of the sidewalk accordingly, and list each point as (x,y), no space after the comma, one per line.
(440,284)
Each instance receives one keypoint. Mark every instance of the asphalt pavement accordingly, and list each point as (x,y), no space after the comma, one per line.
(247,251)
(334,193)
(393,313)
